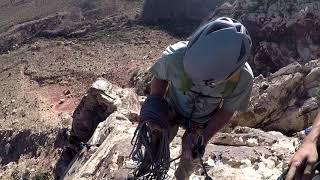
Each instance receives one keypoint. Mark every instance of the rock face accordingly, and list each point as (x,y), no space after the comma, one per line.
(244,153)
(282,31)
(247,153)
(113,135)
(286,101)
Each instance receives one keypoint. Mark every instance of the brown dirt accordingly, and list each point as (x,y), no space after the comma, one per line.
(48,67)
(42,82)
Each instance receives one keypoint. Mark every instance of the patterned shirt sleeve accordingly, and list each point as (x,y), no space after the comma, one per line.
(160,69)
(164,67)
(240,98)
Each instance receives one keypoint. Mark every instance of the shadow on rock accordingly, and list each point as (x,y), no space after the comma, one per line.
(15,144)
(63,162)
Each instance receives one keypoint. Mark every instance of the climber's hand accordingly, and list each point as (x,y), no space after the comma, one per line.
(192,146)
(187,146)
(198,148)
(302,164)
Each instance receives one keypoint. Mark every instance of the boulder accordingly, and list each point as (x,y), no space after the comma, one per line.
(112,135)
(286,101)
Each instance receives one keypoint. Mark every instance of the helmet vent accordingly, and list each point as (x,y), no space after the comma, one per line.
(217,26)
(238,27)
(242,52)
(225,19)
(234,21)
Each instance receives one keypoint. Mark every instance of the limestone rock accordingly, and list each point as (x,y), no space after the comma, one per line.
(100,101)
(286,101)
(119,108)
(243,136)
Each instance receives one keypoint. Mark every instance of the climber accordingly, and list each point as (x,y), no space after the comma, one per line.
(199,84)
(302,164)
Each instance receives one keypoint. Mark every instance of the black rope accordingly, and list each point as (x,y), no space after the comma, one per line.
(151,151)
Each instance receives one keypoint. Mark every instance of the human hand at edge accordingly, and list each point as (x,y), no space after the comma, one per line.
(302,164)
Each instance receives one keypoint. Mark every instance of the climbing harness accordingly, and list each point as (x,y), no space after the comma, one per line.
(199,147)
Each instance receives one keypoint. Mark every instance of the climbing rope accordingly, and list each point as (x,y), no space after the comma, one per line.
(151,148)
(151,151)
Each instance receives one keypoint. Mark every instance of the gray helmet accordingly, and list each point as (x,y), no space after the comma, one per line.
(217,50)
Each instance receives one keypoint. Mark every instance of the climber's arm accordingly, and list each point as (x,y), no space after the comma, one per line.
(154,109)
(237,101)
(303,161)
(313,136)
(159,87)
(216,122)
